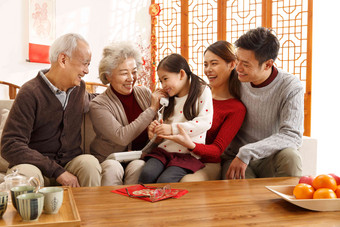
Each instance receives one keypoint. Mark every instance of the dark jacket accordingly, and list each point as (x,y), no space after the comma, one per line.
(39,132)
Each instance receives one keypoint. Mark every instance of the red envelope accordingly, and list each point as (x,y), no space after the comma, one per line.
(149,193)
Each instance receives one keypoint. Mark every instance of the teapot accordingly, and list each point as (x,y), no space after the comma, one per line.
(16,179)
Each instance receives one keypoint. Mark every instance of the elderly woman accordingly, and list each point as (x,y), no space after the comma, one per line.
(121,114)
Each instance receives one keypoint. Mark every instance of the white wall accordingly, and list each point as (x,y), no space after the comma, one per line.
(100,22)
(326,84)
(105,20)
(14,43)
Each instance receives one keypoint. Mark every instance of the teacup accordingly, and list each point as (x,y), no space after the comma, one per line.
(16,179)
(53,199)
(19,190)
(3,202)
(30,206)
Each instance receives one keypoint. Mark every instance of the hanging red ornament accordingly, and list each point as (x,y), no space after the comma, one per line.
(154,10)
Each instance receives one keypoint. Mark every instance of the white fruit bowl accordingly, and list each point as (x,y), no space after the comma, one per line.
(286,192)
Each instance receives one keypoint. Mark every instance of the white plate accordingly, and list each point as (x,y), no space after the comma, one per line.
(286,192)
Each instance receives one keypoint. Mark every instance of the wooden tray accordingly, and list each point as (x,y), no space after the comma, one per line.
(67,216)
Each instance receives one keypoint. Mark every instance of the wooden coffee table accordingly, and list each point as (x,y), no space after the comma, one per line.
(210,203)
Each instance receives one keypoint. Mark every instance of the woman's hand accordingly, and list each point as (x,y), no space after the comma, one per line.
(182,138)
(151,128)
(151,131)
(155,97)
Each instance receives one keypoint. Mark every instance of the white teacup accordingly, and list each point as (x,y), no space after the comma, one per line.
(53,199)
(30,206)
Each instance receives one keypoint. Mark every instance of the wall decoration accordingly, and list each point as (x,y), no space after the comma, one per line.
(41,29)
(154,11)
(144,75)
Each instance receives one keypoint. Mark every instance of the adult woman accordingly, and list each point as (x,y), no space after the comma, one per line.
(121,114)
(229,112)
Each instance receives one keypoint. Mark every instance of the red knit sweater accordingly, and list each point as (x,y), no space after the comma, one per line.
(227,120)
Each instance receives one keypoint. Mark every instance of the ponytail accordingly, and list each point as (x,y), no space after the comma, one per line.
(234,84)
(195,91)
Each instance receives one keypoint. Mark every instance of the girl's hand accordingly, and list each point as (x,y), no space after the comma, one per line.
(182,138)
(155,97)
(163,129)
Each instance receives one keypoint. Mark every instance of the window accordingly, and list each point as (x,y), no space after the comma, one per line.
(188,27)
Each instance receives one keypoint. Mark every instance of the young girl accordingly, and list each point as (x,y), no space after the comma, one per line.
(190,106)
(229,112)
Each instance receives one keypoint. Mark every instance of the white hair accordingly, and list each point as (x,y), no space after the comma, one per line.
(65,44)
(114,55)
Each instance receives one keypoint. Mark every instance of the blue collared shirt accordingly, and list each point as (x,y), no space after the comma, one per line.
(62,96)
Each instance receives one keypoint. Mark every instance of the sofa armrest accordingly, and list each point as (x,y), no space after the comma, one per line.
(87,133)
(308,152)
(4,104)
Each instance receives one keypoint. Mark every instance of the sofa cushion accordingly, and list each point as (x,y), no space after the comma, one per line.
(88,134)
(3,118)
(4,105)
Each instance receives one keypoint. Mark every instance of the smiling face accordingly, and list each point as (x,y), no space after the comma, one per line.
(248,67)
(124,76)
(173,83)
(77,66)
(217,70)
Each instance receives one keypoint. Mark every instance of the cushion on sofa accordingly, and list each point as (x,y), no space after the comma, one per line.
(3,118)
(5,106)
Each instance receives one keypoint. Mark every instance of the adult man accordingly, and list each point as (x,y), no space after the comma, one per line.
(267,143)
(42,133)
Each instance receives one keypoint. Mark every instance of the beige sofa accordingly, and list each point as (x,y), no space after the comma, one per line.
(308,149)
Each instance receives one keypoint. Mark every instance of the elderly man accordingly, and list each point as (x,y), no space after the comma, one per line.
(42,133)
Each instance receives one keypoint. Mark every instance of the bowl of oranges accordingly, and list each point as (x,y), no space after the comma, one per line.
(320,193)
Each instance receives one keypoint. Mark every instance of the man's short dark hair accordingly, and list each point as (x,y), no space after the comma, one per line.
(262,41)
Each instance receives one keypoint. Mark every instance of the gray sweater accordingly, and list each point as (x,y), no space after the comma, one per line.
(274,118)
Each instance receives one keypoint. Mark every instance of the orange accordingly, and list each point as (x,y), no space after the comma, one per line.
(303,191)
(337,191)
(324,181)
(324,193)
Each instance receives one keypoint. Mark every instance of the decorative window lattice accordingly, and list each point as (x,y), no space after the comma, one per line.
(168,28)
(242,15)
(202,31)
(289,19)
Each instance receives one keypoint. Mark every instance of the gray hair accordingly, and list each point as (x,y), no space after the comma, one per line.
(114,55)
(65,44)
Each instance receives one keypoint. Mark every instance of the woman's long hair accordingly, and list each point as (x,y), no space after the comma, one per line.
(225,50)
(174,63)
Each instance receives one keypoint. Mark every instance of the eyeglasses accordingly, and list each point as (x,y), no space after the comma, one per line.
(153,193)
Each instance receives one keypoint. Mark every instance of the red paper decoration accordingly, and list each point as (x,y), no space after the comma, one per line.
(154,10)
